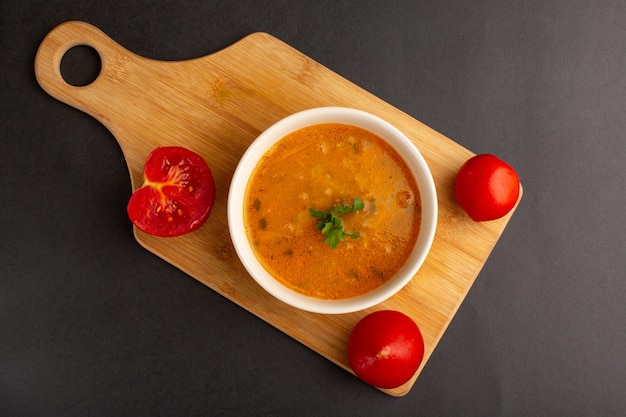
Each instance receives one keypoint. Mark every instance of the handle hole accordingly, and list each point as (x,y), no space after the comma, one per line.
(81,65)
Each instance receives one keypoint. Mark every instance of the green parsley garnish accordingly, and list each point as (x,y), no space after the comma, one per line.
(330,224)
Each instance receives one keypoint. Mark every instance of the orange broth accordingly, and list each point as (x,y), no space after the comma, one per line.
(317,167)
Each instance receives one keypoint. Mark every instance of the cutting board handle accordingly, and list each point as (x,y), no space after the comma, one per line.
(57,43)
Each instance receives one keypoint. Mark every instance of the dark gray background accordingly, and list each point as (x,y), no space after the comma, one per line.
(91,324)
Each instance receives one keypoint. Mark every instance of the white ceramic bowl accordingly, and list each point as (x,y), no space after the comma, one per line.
(353,117)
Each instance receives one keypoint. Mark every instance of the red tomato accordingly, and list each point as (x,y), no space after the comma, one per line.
(177,194)
(486,187)
(385,349)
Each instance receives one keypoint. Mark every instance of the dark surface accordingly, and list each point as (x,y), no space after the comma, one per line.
(91,324)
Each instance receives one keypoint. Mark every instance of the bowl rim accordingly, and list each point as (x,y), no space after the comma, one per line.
(332,114)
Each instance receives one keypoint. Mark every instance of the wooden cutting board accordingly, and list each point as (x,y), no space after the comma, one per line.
(216,106)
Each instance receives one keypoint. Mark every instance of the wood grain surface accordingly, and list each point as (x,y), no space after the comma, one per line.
(216,106)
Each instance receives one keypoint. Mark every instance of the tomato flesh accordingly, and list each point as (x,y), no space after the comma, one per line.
(177,194)
(486,187)
(385,349)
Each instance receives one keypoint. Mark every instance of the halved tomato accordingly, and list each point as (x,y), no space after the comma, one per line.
(177,194)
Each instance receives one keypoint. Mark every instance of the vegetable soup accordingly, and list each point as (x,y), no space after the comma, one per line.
(317,168)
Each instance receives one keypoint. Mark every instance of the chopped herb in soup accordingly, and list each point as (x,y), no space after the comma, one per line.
(315,169)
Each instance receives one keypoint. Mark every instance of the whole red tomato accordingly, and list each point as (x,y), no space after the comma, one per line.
(486,187)
(177,194)
(385,349)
